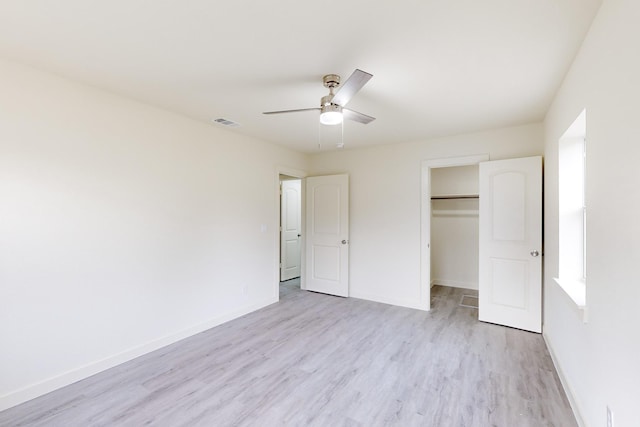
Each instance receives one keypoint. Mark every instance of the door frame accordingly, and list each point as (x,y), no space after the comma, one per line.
(425,217)
(300,174)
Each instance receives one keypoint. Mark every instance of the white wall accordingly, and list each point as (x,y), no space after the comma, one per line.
(455,180)
(122,228)
(385,204)
(455,227)
(599,359)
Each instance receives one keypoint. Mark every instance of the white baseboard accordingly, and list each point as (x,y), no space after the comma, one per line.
(35,390)
(455,284)
(575,407)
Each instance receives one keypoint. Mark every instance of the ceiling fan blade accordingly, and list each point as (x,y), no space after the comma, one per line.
(349,88)
(357,117)
(291,111)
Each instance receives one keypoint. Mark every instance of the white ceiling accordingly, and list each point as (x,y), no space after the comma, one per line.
(440,67)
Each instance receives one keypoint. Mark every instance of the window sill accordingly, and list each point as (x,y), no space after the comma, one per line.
(575,292)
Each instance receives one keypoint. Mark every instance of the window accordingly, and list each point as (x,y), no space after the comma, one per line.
(572,212)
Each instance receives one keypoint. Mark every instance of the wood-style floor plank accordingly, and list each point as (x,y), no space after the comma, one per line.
(318,360)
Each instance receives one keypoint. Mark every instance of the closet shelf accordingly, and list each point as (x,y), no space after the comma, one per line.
(455,196)
(454,212)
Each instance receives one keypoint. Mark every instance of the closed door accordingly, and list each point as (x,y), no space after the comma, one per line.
(510,259)
(327,234)
(290,229)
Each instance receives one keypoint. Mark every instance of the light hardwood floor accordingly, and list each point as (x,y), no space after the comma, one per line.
(318,360)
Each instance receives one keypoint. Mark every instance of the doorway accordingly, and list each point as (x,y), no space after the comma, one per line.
(426,219)
(290,232)
(323,207)
(454,226)
(510,238)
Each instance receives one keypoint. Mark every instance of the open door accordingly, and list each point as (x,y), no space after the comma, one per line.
(290,229)
(327,234)
(510,260)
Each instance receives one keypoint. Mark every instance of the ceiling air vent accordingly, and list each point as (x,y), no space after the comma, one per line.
(225,122)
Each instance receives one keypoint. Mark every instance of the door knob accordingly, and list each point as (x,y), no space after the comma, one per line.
(344,242)
(534,253)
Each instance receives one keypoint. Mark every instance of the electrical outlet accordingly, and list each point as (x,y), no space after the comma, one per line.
(609,417)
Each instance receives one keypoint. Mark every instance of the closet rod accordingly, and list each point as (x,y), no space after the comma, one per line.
(458,196)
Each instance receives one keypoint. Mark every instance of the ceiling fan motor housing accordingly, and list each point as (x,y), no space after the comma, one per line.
(326,100)
(331,108)
(331,81)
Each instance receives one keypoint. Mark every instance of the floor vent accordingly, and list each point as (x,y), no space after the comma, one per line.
(469,301)
(226,122)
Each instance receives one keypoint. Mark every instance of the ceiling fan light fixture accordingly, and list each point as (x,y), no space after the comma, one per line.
(331,114)
(331,105)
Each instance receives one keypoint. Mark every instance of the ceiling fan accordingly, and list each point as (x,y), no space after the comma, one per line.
(332,107)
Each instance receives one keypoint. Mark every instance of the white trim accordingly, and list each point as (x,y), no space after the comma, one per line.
(575,407)
(32,391)
(575,293)
(296,173)
(425,217)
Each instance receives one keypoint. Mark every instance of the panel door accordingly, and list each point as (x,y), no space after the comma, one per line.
(510,259)
(290,229)
(327,234)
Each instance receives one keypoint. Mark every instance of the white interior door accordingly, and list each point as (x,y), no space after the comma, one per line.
(290,229)
(327,234)
(510,264)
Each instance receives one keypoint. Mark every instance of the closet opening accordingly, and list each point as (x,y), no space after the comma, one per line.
(455,235)
(491,251)
(452,199)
